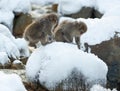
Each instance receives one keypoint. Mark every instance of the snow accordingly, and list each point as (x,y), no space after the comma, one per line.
(15,6)
(97,87)
(4,58)
(71,6)
(17,62)
(22,45)
(98,29)
(11,82)
(44,2)
(6,45)
(54,62)
(5,31)
(14,48)
(9,7)
(6,18)
(103,6)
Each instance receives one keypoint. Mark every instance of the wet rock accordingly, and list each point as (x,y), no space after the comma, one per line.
(86,12)
(1,67)
(109,52)
(24,60)
(54,7)
(21,21)
(7,65)
(34,87)
(17,65)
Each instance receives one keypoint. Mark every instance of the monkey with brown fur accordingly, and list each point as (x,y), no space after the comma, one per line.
(41,29)
(67,30)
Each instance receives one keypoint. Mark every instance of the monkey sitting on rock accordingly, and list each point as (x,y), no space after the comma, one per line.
(67,30)
(41,30)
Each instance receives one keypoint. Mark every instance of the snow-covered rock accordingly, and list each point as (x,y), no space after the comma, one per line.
(15,6)
(5,31)
(8,8)
(53,63)
(4,58)
(103,6)
(6,45)
(13,47)
(22,45)
(44,2)
(97,87)
(11,82)
(6,18)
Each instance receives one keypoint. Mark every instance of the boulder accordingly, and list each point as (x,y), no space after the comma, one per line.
(86,12)
(54,7)
(109,52)
(21,21)
(17,64)
(5,66)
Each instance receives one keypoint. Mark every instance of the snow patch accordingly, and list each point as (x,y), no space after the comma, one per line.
(4,58)
(11,82)
(97,87)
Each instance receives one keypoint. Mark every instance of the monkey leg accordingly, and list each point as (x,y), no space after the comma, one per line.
(77,40)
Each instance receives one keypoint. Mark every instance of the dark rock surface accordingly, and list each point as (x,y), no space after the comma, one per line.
(86,12)
(109,52)
(21,21)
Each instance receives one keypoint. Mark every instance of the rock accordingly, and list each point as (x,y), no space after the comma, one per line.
(21,21)
(34,87)
(109,52)
(17,65)
(7,65)
(96,14)
(54,7)
(1,67)
(24,60)
(86,12)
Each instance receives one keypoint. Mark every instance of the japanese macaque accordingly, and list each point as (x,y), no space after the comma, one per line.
(41,30)
(67,30)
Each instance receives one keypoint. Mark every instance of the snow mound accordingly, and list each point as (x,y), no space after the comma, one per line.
(13,47)
(71,6)
(6,45)
(103,6)
(5,31)
(11,82)
(43,2)
(53,63)
(15,6)
(8,9)
(22,46)
(4,58)
(6,18)
(97,87)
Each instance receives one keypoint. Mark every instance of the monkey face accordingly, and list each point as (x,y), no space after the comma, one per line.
(82,27)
